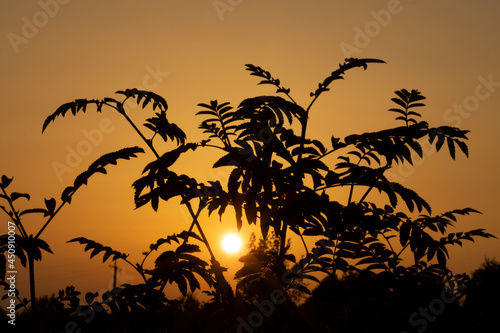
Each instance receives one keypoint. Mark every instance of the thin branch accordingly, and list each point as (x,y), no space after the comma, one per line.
(202,234)
(51,217)
(365,195)
(119,108)
(388,242)
(17,219)
(195,218)
(304,243)
(214,146)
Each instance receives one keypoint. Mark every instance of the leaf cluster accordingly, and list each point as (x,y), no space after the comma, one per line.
(172,266)
(281,178)
(406,101)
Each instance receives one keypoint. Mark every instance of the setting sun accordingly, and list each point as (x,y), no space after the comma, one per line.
(231,243)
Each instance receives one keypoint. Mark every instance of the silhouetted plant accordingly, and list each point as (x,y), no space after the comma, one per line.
(28,247)
(407,100)
(164,184)
(279,179)
(130,302)
(170,266)
(364,301)
(261,266)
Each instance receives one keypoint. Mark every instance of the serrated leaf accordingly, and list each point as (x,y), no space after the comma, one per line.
(319,145)
(463,146)
(97,248)
(451,147)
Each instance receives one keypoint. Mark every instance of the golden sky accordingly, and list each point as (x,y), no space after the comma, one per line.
(191,52)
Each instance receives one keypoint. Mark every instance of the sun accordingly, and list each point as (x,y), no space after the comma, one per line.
(231,243)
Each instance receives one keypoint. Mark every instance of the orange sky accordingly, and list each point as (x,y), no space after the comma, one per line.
(193,51)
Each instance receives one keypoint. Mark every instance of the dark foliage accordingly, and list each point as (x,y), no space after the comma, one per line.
(279,180)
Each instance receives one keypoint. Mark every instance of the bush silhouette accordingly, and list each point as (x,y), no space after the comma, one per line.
(482,304)
(280,179)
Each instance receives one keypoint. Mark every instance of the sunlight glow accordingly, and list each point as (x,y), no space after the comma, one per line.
(231,243)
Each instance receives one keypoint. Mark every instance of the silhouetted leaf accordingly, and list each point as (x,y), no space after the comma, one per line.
(319,145)
(34,210)
(404,233)
(407,101)
(75,106)
(265,112)
(463,146)
(175,237)
(219,125)
(5,181)
(267,78)
(148,96)
(19,247)
(165,129)
(16,195)
(98,248)
(397,101)
(338,74)
(98,166)
(411,198)
(451,147)
(51,205)
(31,246)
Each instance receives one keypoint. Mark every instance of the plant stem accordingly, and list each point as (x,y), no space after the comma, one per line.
(352,184)
(404,248)
(334,269)
(214,146)
(365,195)
(326,154)
(50,219)
(283,240)
(202,234)
(31,267)
(150,144)
(22,303)
(195,218)
(304,129)
(221,282)
(304,243)
(140,271)
(17,219)
(350,193)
